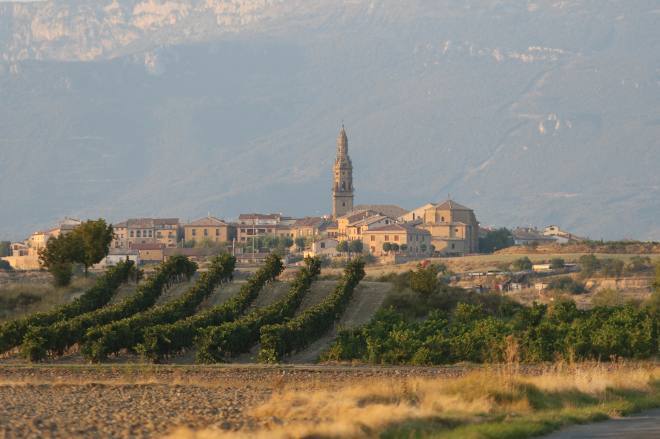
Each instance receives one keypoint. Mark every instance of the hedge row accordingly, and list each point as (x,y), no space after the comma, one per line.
(281,339)
(102,341)
(12,332)
(163,341)
(218,343)
(58,337)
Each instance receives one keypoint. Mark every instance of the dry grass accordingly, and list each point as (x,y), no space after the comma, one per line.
(373,407)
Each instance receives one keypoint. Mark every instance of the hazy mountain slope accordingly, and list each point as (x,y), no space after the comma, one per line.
(530,112)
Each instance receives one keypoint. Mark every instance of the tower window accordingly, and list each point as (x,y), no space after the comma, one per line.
(343,204)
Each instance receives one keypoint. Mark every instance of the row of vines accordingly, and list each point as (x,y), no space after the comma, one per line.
(13,332)
(296,334)
(219,343)
(164,341)
(43,341)
(102,341)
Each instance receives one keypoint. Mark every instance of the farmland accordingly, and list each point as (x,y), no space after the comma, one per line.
(400,350)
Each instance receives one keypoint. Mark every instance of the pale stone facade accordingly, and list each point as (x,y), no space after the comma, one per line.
(342,189)
(454,228)
(209,229)
(409,240)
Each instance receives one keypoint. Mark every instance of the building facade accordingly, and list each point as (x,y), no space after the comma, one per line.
(209,229)
(342,189)
(133,231)
(407,239)
(454,228)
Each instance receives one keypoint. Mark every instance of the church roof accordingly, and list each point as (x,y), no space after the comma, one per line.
(207,222)
(451,205)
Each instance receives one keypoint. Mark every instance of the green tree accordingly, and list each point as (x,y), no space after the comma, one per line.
(342,247)
(5,266)
(496,240)
(395,247)
(5,249)
(522,264)
(300,243)
(589,265)
(95,237)
(59,255)
(557,263)
(424,280)
(356,246)
(387,247)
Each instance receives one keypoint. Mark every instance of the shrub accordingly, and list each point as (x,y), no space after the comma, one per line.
(425,280)
(217,343)
(12,332)
(522,264)
(567,284)
(279,340)
(111,338)
(162,341)
(58,337)
(5,266)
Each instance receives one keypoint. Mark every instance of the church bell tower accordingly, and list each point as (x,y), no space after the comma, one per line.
(342,190)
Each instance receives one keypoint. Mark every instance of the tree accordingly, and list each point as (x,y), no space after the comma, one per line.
(96,237)
(395,247)
(5,266)
(423,248)
(425,280)
(58,257)
(356,246)
(404,247)
(387,247)
(557,263)
(522,264)
(5,249)
(589,265)
(300,243)
(496,240)
(342,247)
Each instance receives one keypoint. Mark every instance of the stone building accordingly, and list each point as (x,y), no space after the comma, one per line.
(454,228)
(146,231)
(410,240)
(342,189)
(209,229)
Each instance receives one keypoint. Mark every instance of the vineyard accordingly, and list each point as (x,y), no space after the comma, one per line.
(97,330)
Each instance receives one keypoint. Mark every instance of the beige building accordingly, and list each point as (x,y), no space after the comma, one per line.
(410,240)
(454,228)
(255,225)
(163,231)
(308,227)
(149,253)
(209,229)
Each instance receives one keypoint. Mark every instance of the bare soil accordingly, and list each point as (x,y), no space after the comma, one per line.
(151,401)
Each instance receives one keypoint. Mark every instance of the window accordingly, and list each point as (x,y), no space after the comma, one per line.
(159,235)
(373,249)
(343,204)
(206,232)
(217,232)
(151,233)
(373,238)
(396,237)
(194,232)
(132,234)
(323,245)
(139,234)
(387,237)
(453,246)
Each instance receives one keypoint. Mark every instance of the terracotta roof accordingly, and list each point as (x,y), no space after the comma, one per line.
(370,220)
(166,221)
(121,225)
(451,205)
(309,221)
(123,251)
(390,210)
(209,221)
(357,215)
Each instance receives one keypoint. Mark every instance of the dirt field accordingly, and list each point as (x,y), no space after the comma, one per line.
(149,401)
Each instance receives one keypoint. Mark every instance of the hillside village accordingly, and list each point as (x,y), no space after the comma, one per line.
(390,234)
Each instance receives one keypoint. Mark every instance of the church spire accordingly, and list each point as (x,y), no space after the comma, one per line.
(342,188)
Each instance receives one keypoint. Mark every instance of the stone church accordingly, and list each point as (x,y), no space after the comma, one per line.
(342,190)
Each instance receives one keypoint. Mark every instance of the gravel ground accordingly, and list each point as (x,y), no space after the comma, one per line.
(149,401)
